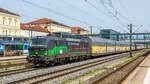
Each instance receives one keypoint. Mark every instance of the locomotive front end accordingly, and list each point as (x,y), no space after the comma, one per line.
(37,50)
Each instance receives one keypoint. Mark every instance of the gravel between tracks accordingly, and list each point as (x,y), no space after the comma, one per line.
(11,78)
(79,73)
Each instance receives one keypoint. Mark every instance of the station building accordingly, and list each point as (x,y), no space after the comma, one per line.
(9,24)
(79,31)
(51,25)
(27,31)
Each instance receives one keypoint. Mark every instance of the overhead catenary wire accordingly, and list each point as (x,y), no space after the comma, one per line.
(50,10)
(55,12)
(103,11)
(28,16)
(116,11)
(120,28)
(80,11)
(138,28)
(123,7)
(103,2)
(100,11)
(47,10)
(126,10)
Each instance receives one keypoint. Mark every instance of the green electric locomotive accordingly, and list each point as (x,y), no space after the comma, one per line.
(48,50)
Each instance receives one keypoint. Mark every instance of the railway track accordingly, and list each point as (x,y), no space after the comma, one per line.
(60,72)
(53,75)
(130,71)
(120,74)
(12,62)
(11,59)
(13,65)
(16,71)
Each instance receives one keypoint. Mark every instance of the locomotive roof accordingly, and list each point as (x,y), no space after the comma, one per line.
(57,38)
(49,37)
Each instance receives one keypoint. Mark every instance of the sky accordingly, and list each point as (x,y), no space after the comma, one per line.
(101,14)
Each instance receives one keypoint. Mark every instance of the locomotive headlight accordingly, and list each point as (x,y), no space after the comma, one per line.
(45,53)
(36,52)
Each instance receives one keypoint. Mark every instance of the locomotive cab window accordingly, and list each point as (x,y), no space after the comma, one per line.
(38,41)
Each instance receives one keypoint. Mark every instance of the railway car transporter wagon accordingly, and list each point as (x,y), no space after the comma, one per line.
(46,50)
(13,48)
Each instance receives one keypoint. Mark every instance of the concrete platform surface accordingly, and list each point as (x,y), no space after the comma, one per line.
(12,57)
(141,75)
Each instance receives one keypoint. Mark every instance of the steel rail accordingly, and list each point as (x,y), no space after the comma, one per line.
(69,70)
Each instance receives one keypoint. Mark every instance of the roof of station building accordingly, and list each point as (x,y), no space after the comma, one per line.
(45,21)
(8,12)
(34,28)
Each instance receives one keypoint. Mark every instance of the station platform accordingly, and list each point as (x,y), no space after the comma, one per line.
(12,57)
(141,75)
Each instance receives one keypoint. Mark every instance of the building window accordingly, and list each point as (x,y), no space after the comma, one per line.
(15,23)
(4,32)
(15,33)
(10,21)
(10,32)
(4,19)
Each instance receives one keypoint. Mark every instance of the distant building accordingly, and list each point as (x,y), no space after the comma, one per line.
(108,34)
(9,24)
(79,30)
(31,31)
(50,25)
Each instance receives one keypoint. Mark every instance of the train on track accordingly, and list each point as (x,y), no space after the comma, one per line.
(13,48)
(48,50)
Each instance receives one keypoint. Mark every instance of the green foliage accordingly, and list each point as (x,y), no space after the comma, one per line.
(9,63)
(62,83)
(80,82)
(6,68)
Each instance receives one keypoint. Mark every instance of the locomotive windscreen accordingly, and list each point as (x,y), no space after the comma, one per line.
(38,42)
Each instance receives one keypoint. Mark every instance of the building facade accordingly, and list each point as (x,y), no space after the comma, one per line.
(28,31)
(9,24)
(79,31)
(51,25)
